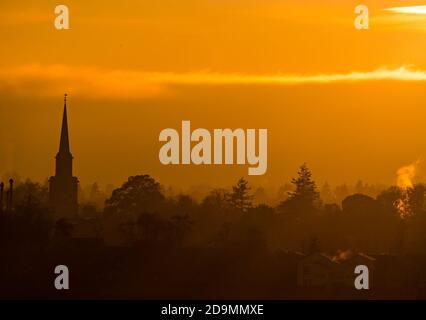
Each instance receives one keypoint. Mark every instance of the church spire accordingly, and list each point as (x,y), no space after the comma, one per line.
(63,186)
(64,145)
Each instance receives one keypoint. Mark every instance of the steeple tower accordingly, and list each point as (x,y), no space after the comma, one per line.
(64,145)
(64,156)
(63,186)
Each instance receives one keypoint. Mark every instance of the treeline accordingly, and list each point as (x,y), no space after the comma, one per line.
(140,213)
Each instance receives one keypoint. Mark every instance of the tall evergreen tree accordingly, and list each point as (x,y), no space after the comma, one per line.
(240,197)
(305,188)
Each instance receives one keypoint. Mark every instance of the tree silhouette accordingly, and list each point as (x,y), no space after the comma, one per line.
(305,188)
(139,193)
(240,198)
(30,191)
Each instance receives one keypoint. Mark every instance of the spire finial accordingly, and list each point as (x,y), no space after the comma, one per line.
(64,146)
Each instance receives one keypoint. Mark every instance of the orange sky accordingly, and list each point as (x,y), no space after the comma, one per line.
(348,102)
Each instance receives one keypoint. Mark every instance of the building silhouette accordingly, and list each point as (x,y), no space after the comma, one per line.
(63,186)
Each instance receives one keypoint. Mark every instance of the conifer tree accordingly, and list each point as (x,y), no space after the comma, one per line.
(305,188)
(240,197)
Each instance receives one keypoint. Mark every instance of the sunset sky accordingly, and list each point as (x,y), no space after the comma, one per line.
(350,103)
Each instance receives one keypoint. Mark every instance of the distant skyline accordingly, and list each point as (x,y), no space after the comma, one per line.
(349,103)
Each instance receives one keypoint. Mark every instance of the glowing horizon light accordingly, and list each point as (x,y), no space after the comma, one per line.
(408,10)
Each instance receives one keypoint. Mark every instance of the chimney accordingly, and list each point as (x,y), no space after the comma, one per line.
(10,194)
(1,197)
(7,200)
